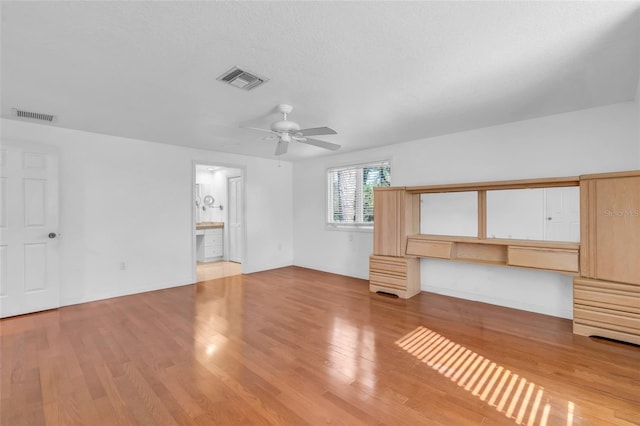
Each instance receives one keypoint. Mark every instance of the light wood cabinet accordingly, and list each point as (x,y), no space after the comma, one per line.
(607,295)
(606,262)
(394,275)
(397,215)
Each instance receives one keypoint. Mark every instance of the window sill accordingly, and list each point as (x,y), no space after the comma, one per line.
(350,228)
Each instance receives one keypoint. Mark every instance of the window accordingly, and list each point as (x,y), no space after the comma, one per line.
(350,193)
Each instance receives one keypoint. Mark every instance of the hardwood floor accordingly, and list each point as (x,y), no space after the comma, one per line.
(212,270)
(296,346)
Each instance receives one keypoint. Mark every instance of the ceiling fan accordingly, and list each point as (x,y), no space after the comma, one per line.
(286,131)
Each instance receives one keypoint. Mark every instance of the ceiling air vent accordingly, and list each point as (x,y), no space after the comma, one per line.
(33,115)
(241,79)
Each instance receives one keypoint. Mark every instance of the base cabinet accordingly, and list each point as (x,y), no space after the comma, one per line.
(606,309)
(394,275)
(210,245)
(606,296)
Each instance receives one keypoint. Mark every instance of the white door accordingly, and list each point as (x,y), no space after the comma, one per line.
(28,228)
(562,214)
(235,219)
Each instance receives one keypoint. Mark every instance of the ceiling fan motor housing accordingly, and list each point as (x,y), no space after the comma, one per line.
(285,126)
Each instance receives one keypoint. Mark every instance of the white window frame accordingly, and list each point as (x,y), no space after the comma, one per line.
(359,225)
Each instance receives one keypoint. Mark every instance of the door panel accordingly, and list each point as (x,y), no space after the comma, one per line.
(28,257)
(235,219)
(562,214)
(3,271)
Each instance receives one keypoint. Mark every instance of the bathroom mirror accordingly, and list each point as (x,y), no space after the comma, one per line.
(208,200)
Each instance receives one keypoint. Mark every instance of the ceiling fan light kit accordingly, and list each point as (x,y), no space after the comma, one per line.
(286,131)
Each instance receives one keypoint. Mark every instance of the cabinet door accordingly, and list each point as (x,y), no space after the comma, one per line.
(618,229)
(387,218)
(610,209)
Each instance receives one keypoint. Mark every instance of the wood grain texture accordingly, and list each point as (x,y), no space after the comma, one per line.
(504,184)
(389,223)
(607,295)
(543,258)
(394,275)
(617,231)
(296,346)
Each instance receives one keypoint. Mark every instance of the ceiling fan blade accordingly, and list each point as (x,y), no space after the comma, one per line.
(319,143)
(316,131)
(281,147)
(256,128)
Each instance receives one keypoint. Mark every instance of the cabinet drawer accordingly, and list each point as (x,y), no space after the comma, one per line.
(389,266)
(424,248)
(625,322)
(212,242)
(396,275)
(388,280)
(543,258)
(605,294)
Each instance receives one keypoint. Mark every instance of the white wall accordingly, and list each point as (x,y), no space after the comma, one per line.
(130,200)
(596,140)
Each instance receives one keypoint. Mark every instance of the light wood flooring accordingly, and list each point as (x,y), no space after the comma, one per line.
(295,346)
(212,270)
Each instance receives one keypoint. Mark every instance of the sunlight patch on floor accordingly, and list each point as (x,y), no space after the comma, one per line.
(514,396)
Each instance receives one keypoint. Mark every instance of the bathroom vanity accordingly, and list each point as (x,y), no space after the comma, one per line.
(209,241)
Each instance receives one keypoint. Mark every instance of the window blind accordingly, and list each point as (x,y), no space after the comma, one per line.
(350,192)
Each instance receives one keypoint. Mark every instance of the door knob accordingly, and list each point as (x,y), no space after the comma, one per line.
(52,235)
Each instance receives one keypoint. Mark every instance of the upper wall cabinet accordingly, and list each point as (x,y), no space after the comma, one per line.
(611,227)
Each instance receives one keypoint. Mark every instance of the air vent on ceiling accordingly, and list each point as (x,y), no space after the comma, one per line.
(33,115)
(241,79)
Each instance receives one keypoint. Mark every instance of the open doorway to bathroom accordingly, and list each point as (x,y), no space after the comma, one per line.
(218,218)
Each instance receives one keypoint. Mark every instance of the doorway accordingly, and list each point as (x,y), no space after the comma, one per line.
(218,221)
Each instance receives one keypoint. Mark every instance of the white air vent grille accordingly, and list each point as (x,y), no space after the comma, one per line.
(33,115)
(241,79)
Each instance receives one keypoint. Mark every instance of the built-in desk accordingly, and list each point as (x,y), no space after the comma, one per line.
(605,263)
(554,256)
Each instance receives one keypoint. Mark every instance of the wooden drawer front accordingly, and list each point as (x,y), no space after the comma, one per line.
(388,272)
(396,275)
(604,294)
(385,280)
(424,248)
(625,322)
(388,266)
(543,258)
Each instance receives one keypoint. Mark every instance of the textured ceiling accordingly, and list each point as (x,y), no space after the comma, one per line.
(377,72)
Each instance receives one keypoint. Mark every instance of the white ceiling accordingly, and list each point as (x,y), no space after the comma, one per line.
(377,72)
